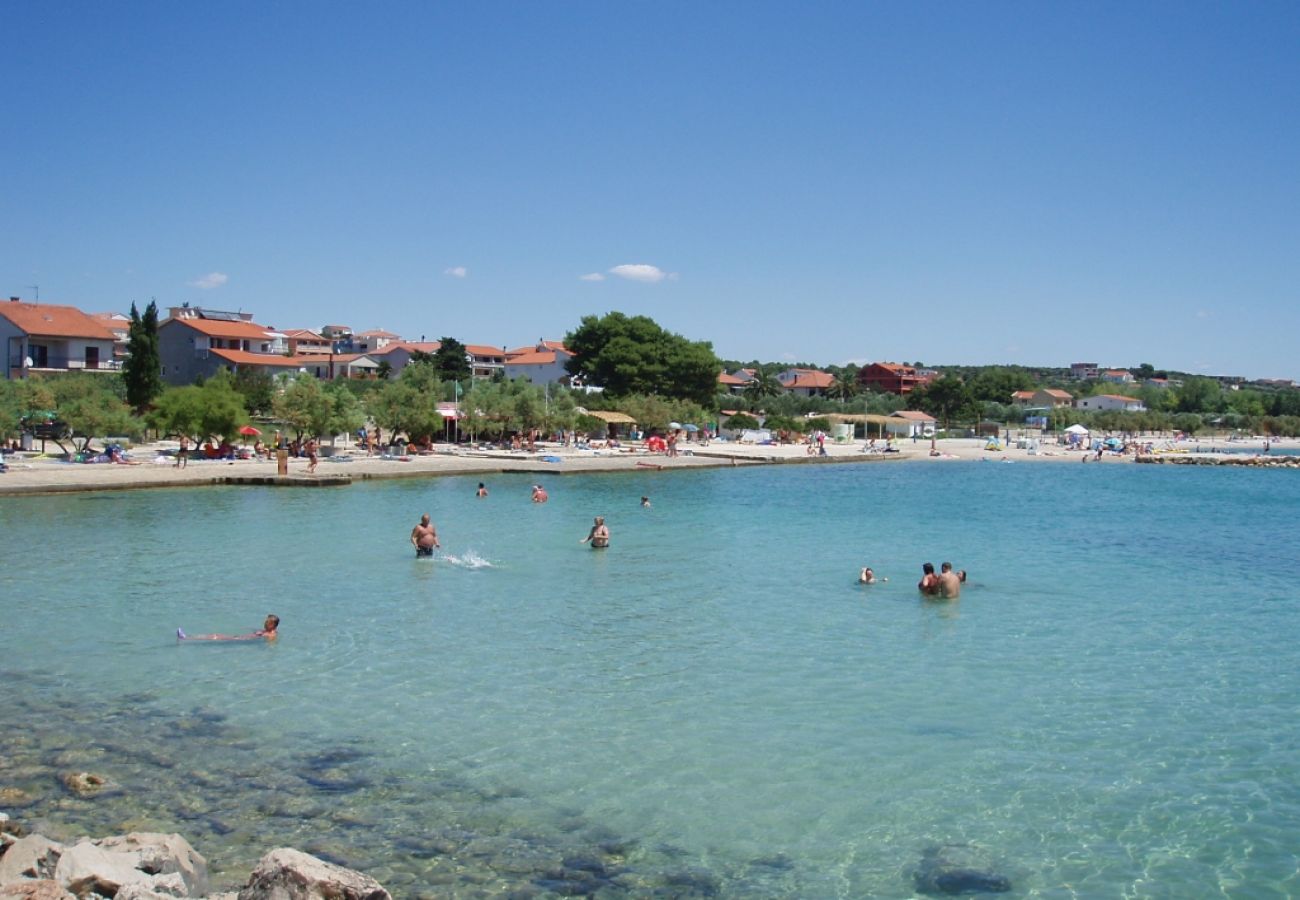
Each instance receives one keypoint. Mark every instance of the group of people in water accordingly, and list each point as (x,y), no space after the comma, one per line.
(946,584)
(424,536)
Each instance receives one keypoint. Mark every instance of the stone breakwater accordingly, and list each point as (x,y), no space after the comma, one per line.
(1253,462)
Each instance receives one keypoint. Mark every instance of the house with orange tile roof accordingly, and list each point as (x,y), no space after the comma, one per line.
(485,360)
(1044,398)
(398,353)
(736,382)
(49,337)
(194,342)
(304,340)
(374,339)
(894,378)
(806,382)
(542,363)
(1118,376)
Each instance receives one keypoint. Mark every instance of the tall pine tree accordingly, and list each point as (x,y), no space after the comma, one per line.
(142,371)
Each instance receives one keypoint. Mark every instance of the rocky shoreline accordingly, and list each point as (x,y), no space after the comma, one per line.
(152,866)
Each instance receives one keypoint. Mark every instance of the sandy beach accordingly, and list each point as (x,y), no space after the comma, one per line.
(152,466)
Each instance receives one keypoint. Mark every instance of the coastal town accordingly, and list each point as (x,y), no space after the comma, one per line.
(758,413)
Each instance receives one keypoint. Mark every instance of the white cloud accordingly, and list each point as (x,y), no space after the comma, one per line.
(456,272)
(591,276)
(1203,314)
(209,281)
(641,272)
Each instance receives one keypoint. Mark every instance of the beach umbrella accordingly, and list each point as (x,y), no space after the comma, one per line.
(1076,429)
(248,431)
(675,426)
(690,427)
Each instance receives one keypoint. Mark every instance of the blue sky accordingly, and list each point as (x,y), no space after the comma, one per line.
(961,183)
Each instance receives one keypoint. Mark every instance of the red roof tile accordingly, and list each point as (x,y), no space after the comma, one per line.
(52,320)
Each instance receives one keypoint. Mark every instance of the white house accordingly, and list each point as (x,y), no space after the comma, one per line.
(541,363)
(806,382)
(53,338)
(1110,402)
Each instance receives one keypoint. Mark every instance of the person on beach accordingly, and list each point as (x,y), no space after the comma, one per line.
(929,583)
(424,537)
(482,490)
(599,534)
(183,454)
(268,632)
(948,582)
(539,494)
(310,449)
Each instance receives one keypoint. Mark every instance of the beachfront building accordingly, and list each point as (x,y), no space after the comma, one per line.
(48,337)
(331,366)
(1085,371)
(540,363)
(197,343)
(894,378)
(911,423)
(1110,402)
(1118,376)
(806,382)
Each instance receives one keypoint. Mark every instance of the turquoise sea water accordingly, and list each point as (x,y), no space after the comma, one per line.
(710,707)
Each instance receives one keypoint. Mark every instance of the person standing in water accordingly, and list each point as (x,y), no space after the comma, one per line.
(599,534)
(424,537)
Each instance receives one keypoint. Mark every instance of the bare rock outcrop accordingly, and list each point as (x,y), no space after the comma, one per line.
(287,874)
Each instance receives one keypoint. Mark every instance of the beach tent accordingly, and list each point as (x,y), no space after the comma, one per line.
(1076,429)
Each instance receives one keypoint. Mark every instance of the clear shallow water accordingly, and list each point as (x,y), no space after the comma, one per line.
(710,706)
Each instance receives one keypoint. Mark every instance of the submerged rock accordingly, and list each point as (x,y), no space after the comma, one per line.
(955,869)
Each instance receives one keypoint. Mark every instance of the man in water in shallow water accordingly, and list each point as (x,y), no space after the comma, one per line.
(424,537)
(599,534)
(268,631)
(949,582)
(929,583)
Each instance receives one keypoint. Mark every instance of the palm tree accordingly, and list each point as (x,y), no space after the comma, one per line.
(764,384)
(844,387)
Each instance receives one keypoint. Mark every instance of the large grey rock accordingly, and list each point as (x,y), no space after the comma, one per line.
(34,856)
(163,887)
(287,874)
(85,867)
(160,855)
(37,889)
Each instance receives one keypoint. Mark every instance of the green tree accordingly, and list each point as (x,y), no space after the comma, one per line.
(633,355)
(947,399)
(257,387)
(303,406)
(91,408)
(1200,395)
(451,360)
(211,410)
(142,371)
(997,384)
(346,413)
(845,385)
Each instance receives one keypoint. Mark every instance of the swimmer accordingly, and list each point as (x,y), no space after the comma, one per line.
(645,502)
(482,490)
(867,576)
(539,494)
(599,534)
(424,537)
(268,632)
